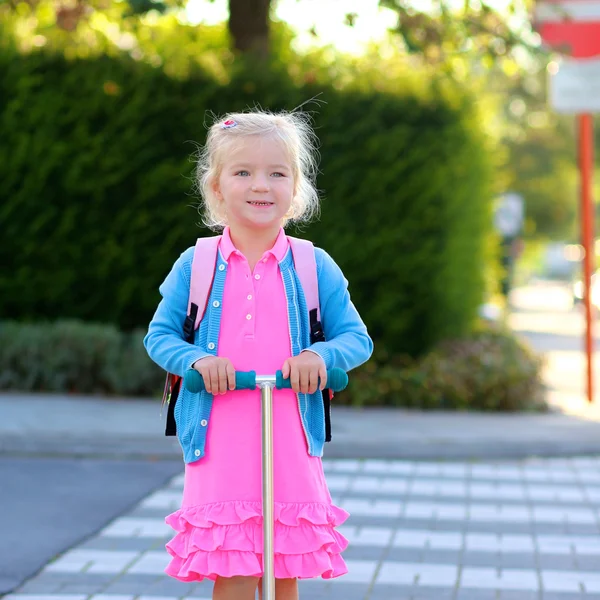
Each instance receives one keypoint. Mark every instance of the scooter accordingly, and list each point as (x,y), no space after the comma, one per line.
(337,380)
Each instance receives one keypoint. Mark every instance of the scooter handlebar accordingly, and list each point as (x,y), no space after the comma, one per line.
(337,380)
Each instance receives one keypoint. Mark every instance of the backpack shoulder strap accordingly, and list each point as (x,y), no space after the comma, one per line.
(203,271)
(306,267)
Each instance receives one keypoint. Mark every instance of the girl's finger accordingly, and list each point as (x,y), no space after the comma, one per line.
(205,372)
(313,381)
(214,380)
(304,374)
(222,378)
(295,378)
(322,377)
(230,376)
(285,370)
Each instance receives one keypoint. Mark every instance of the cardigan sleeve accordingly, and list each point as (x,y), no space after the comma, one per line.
(165,341)
(347,343)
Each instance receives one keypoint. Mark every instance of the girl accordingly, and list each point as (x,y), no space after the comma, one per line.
(256,174)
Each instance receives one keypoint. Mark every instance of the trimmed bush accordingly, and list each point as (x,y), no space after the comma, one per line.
(488,370)
(95,204)
(74,357)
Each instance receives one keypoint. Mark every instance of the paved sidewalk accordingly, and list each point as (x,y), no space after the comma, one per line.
(55,425)
(436,530)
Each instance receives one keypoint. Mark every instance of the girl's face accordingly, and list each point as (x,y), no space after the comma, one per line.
(256,185)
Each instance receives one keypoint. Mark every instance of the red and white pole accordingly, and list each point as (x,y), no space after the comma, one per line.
(586,164)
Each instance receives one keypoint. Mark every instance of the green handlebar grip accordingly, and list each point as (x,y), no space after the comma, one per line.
(337,380)
(244,380)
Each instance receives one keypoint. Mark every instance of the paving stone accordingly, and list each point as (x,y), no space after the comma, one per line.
(125,543)
(471,594)
(371,521)
(425,593)
(392,592)
(51,577)
(36,587)
(81,588)
(557,562)
(168,586)
(518,560)
(588,563)
(408,555)
(441,556)
(585,529)
(365,553)
(143,579)
(518,595)
(341,590)
(500,528)
(480,559)
(127,587)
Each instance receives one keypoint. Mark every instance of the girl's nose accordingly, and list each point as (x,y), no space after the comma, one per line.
(260,185)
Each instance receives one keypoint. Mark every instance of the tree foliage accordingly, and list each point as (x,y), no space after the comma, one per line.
(470,43)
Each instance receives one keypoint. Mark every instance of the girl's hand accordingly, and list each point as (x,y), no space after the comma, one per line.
(217,372)
(304,372)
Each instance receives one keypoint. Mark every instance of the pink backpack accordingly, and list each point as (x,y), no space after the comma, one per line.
(203,269)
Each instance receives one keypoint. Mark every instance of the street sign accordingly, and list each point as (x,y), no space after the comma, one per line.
(571,27)
(575,85)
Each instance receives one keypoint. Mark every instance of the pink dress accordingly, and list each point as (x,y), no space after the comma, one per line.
(219,524)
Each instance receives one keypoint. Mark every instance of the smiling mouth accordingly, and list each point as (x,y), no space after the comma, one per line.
(257,203)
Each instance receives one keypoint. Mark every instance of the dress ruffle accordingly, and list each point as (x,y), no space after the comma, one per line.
(226,539)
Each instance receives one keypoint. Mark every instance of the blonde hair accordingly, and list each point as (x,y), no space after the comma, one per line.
(299,140)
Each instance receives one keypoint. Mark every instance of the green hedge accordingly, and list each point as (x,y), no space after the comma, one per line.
(74,357)
(95,204)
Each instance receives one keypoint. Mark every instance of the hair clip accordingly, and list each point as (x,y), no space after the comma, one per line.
(228,124)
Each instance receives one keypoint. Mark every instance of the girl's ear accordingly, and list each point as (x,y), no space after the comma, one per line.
(214,186)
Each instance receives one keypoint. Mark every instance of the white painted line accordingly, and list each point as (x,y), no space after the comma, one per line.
(430,575)
(164,500)
(96,561)
(347,466)
(135,527)
(494,579)
(372,508)
(359,571)
(561,581)
(151,563)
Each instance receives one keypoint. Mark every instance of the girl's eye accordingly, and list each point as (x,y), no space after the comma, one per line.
(278,174)
(243,173)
